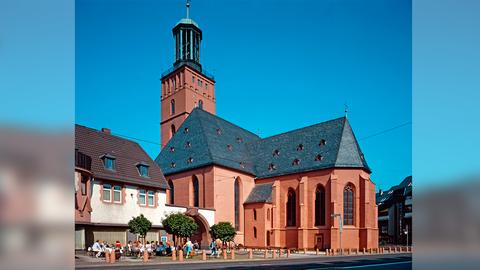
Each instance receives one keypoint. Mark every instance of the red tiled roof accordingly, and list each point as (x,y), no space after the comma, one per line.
(128,155)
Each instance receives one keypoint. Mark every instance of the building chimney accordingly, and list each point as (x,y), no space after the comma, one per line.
(106,131)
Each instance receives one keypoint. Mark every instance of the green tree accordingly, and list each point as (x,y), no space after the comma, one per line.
(179,225)
(223,231)
(140,225)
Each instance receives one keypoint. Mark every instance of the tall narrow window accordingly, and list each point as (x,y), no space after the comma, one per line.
(255,232)
(348,204)
(107,191)
(174,130)
(291,208)
(83,184)
(195,191)
(320,206)
(237,204)
(117,194)
(172,106)
(172,191)
(151,198)
(142,197)
(254,214)
(200,104)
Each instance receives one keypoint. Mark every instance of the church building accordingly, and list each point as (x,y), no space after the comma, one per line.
(307,188)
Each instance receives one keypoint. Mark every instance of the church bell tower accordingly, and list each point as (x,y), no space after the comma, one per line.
(186,85)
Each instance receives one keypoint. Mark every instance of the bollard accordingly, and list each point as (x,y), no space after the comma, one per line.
(250,253)
(107,256)
(204,255)
(174,255)
(224,252)
(363,251)
(232,253)
(265,255)
(316,251)
(274,254)
(180,255)
(145,256)
(349,251)
(288,252)
(112,257)
(281,252)
(304,251)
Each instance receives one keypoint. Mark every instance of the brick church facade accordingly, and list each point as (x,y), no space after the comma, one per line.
(297,189)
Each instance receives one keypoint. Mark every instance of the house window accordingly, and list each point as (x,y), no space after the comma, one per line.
(322,142)
(219,131)
(142,197)
(237,204)
(320,206)
(151,198)
(318,157)
(199,82)
(143,170)
(185,130)
(276,153)
(206,86)
(117,194)
(254,214)
(255,232)
(195,191)
(193,79)
(242,164)
(172,165)
(109,162)
(189,160)
(107,190)
(348,205)
(83,184)
(172,149)
(172,191)
(239,140)
(200,104)
(268,214)
(188,144)
(291,208)
(229,147)
(172,106)
(300,147)
(173,130)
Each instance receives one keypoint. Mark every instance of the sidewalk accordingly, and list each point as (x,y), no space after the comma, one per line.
(83,261)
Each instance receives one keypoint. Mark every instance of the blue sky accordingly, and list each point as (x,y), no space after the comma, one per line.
(279,65)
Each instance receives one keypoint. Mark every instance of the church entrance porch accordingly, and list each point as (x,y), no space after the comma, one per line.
(202,234)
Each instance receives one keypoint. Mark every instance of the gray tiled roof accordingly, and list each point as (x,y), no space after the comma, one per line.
(261,193)
(209,137)
(256,156)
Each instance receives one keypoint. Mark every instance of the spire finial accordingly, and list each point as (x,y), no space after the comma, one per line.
(346,110)
(188,9)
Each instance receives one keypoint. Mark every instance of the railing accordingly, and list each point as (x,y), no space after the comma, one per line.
(83,161)
(192,65)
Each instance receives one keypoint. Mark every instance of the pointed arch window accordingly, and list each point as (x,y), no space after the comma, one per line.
(173,129)
(320,206)
(291,208)
(348,205)
(172,106)
(195,191)
(172,191)
(237,203)
(200,104)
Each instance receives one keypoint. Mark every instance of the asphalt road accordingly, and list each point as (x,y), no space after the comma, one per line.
(375,262)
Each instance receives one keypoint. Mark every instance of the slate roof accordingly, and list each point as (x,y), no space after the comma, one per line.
(256,156)
(128,154)
(261,193)
(209,137)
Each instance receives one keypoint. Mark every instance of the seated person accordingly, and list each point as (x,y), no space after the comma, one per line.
(97,248)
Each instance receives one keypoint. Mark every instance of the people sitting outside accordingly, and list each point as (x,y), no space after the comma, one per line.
(97,248)
(213,248)
(196,245)
(136,249)
(148,248)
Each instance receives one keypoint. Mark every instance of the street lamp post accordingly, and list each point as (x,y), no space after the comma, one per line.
(340,220)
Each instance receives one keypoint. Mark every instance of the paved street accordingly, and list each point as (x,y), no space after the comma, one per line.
(375,262)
